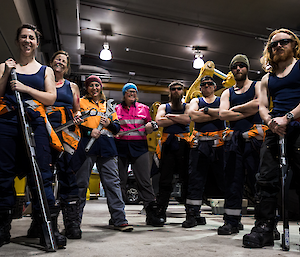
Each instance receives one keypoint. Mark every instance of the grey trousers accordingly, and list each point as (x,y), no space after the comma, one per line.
(108,171)
(141,170)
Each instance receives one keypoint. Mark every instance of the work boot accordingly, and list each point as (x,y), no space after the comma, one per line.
(161,212)
(200,220)
(261,235)
(34,230)
(193,217)
(5,226)
(61,240)
(70,211)
(227,229)
(152,217)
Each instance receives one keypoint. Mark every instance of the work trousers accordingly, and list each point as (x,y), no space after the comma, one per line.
(141,170)
(268,179)
(241,161)
(67,186)
(14,160)
(201,163)
(108,171)
(173,161)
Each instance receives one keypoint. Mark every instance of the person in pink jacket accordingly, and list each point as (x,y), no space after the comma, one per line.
(133,149)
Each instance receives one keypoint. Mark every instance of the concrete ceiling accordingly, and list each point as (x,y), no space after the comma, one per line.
(152,41)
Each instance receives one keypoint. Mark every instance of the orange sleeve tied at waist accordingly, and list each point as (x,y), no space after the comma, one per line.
(164,137)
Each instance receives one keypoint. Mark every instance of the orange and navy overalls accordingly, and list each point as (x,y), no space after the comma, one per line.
(206,160)
(242,147)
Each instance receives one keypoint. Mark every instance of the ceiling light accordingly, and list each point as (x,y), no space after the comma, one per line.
(105,53)
(198,62)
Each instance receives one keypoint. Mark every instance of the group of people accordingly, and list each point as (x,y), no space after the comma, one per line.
(243,150)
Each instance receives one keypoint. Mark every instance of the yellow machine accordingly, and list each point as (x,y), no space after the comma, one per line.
(209,70)
(193,91)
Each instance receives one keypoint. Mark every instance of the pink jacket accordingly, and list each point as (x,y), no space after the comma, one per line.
(137,115)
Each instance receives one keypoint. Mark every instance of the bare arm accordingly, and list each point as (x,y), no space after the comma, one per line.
(161,119)
(46,97)
(224,110)
(5,69)
(198,115)
(181,118)
(264,101)
(76,99)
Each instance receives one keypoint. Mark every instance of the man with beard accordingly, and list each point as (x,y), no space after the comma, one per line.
(239,106)
(206,155)
(174,146)
(281,59)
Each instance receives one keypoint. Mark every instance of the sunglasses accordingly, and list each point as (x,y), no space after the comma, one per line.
(282,42)
(241,65)
(176,88)
(209,83)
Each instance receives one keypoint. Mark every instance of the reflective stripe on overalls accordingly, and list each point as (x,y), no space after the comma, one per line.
(216,136)
(54,140)
(257,131)
(70,139)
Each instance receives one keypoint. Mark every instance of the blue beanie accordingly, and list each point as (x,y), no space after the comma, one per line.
(128,86)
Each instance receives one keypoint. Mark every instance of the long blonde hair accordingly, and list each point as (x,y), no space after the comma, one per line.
(266,60)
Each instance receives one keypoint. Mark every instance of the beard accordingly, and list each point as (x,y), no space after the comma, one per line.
(240,76)
(282,56)
(175,100)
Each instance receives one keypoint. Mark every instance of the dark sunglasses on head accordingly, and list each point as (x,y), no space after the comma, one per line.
(241,65)
(176,88)
(208,83)
(282,42)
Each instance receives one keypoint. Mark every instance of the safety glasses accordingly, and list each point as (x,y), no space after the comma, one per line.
(208,83)
(282,42)
(240,64)
(176,88)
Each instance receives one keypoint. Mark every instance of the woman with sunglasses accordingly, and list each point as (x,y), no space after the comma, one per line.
(36,82)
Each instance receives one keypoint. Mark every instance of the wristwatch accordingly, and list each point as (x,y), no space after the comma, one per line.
(289,116)
(205,110)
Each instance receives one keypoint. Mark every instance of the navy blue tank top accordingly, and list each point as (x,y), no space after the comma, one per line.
(237,99)
(36,81)
(285,92)
(209,126)
(64,96)
(64,99)
(176,128)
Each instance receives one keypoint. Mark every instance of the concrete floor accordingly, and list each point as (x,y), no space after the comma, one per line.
(99,239)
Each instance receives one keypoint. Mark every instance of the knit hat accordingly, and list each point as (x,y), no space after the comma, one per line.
(239,58)
(91,79)
(128,86)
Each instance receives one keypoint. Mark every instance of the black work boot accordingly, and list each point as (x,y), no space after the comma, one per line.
(5,226)
(261,235)
(161,212)
(71,217)
(193,217)
(60,239)
(227,229)
(34,230)
(152,217)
